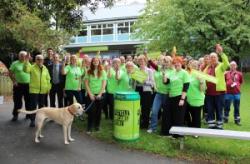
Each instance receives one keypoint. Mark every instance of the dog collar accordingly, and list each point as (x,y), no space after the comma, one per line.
(71,112)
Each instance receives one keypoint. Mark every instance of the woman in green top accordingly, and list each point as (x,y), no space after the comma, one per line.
(195,97)
(179,83)
(161,98)
(113,77)
(73,80)
(126,83)
(95,83)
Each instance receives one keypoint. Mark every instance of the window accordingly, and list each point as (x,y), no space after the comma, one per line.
(96,32)
(107,31)
(122,30)
(83,33)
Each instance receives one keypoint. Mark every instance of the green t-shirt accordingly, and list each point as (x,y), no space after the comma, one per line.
(95,82)
(85,70)
(17,69)
(125,83)
(177,79)
(73,77)
(158,78)
(195,97)
(112,83)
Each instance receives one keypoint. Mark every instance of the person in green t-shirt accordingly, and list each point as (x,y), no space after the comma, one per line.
(195,97)
(179,83)
(126,83)
(113,80)
(161,97)
(95,83)
(73,80)
(85,66)
(20,81)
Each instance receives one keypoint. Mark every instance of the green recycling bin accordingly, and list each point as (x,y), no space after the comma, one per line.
(127,116)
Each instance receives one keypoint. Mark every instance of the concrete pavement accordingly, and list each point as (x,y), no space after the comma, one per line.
(17,146)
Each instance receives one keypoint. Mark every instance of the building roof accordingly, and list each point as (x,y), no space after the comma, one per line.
(114,13)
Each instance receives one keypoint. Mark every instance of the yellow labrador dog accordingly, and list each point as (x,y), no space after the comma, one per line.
(63,116)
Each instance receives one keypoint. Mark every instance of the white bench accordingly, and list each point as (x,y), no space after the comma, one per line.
(208,133)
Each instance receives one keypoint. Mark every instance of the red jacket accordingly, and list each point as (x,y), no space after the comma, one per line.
(233,77)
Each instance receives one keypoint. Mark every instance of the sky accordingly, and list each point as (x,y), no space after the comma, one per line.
(130,1)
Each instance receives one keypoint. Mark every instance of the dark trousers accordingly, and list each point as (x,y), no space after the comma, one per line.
(56,89)
(71,94)
(215,106)
(94,113)
(177,113)
(83,94)
(36,100)
(166,118)
(194,114)
(108,106)
(146,103)
(19,92)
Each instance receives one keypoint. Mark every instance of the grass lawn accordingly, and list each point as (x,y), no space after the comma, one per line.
(203,149)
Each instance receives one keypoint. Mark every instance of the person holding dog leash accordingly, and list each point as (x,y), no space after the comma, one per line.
(95,83)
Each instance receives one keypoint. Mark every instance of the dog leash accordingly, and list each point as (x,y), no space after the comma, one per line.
(87,109)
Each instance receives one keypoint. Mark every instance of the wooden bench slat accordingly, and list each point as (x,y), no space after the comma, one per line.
(210,133)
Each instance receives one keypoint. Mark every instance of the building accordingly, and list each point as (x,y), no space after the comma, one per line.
(110,29)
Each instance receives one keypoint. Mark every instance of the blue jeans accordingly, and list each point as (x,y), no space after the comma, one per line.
(236,102)
(159,101)
(215,106)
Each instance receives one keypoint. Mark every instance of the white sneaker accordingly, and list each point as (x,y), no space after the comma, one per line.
(150,131)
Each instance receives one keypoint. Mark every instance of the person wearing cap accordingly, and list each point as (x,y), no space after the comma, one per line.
(215,92)
(95,83)
(179,84)
(234,79)
(39,84)
(21,82)
(73,80)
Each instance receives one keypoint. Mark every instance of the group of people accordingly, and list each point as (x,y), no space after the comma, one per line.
(171,91)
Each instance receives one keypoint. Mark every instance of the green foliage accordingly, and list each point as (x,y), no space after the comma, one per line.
(35,25)
(195,26)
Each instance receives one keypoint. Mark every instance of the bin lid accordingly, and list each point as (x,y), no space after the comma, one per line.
(127,96)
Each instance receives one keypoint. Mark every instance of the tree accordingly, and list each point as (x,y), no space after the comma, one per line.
(66,14)
(195,26)
(27,25)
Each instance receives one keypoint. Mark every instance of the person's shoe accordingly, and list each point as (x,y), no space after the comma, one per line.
(196,137)
(14,118)
(27,117)
(237,123)
(97,129)
(88,132)
(151,131)
(219,128)
(32,124)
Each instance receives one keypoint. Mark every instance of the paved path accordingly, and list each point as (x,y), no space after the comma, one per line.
(17,146)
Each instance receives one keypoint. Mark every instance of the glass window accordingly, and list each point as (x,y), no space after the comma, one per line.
(110,25)
(126,24)
(120,24)
(99,26)
(96,32)
(123,30)
(107,31)
(93,26)
(83,33)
